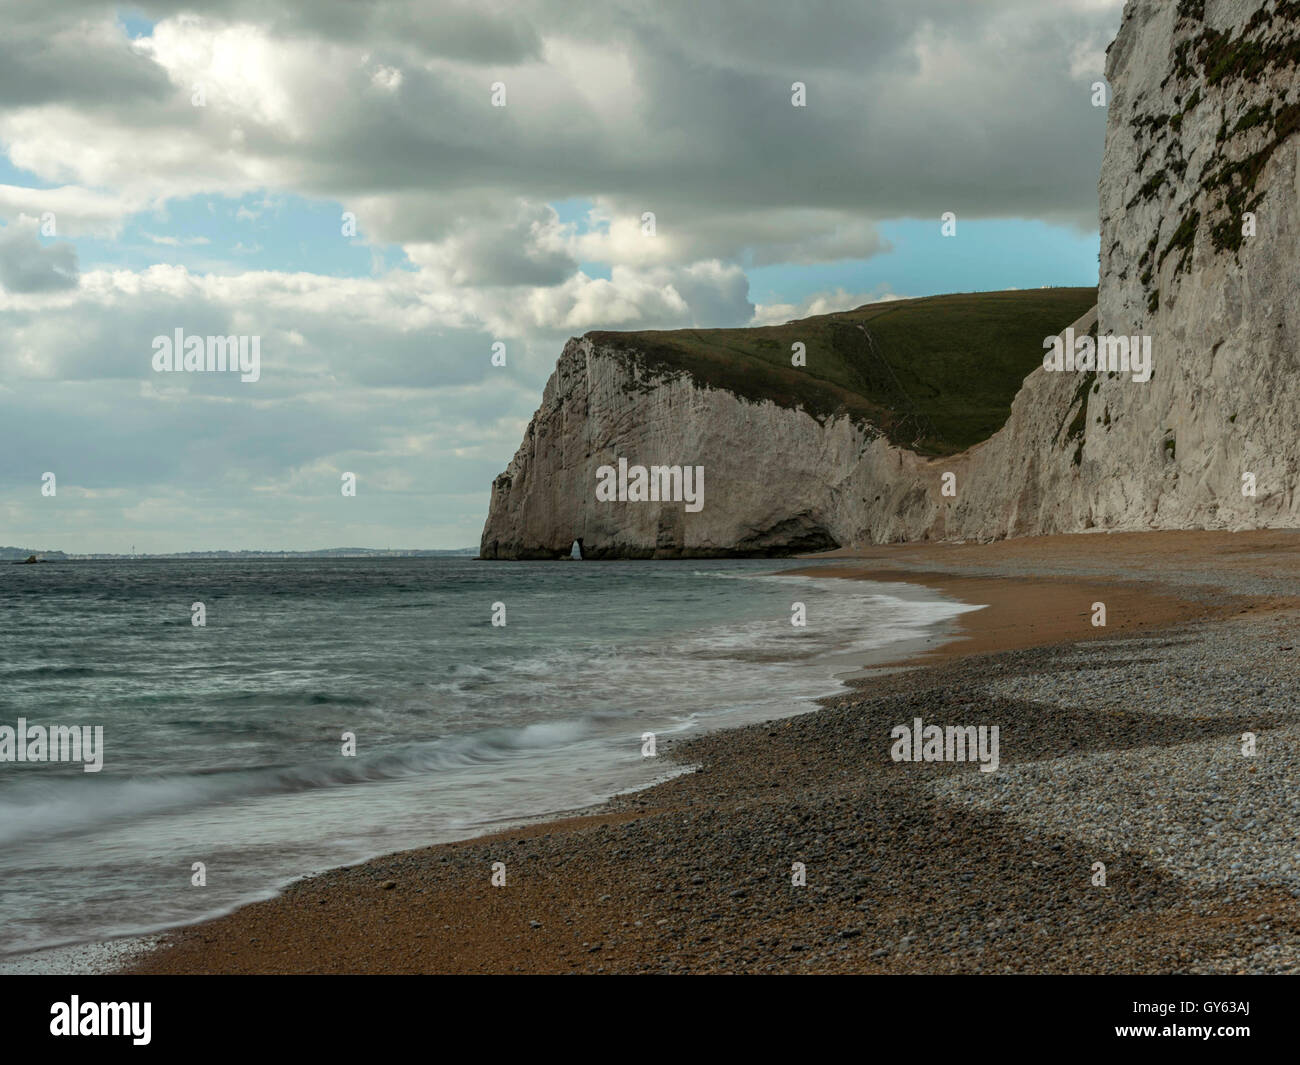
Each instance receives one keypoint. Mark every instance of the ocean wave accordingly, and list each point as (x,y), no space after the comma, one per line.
(55,671)
(76,805)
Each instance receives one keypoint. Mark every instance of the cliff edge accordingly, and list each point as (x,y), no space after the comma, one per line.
(886,434)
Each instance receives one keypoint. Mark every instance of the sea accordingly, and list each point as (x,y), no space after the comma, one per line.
(328,711)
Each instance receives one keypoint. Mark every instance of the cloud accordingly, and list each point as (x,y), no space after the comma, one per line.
(818,303)
(663,297)
(49,55)
(175,242)
(26,266)
(73,211)
(384,109)
(912,110)
(526,249)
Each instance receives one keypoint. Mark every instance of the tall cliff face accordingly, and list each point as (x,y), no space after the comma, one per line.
(777,480)
(774,477)
(1202,130)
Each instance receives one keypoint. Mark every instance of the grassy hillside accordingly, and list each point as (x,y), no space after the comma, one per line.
(936,374)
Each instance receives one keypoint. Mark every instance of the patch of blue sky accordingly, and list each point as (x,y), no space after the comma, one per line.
(134,24)
(576,211)
(217,234)
(985,255)
(12,175)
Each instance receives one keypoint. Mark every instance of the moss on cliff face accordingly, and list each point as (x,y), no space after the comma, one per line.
(1265,47)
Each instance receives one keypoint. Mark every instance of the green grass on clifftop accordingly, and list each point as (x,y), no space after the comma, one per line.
(936,374)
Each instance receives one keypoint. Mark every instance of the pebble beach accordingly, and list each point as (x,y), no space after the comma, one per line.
(1124,830)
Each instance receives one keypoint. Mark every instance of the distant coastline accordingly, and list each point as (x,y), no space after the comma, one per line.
(19,554)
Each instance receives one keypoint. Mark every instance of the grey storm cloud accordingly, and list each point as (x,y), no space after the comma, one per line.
(474,32)
(477,32)
(507,253)
(49,54)
(28,266)
(912,109)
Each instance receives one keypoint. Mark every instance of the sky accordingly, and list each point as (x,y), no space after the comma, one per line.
(380,193)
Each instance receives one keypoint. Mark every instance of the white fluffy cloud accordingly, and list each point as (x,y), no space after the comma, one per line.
(818,303)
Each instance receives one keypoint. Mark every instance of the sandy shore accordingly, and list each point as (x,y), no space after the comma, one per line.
(1025,612)
(1119,745)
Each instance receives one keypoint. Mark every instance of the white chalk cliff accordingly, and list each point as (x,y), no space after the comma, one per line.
(1203,131)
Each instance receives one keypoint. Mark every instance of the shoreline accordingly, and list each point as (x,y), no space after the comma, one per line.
(1022,613)
(121,951)
(641,883)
